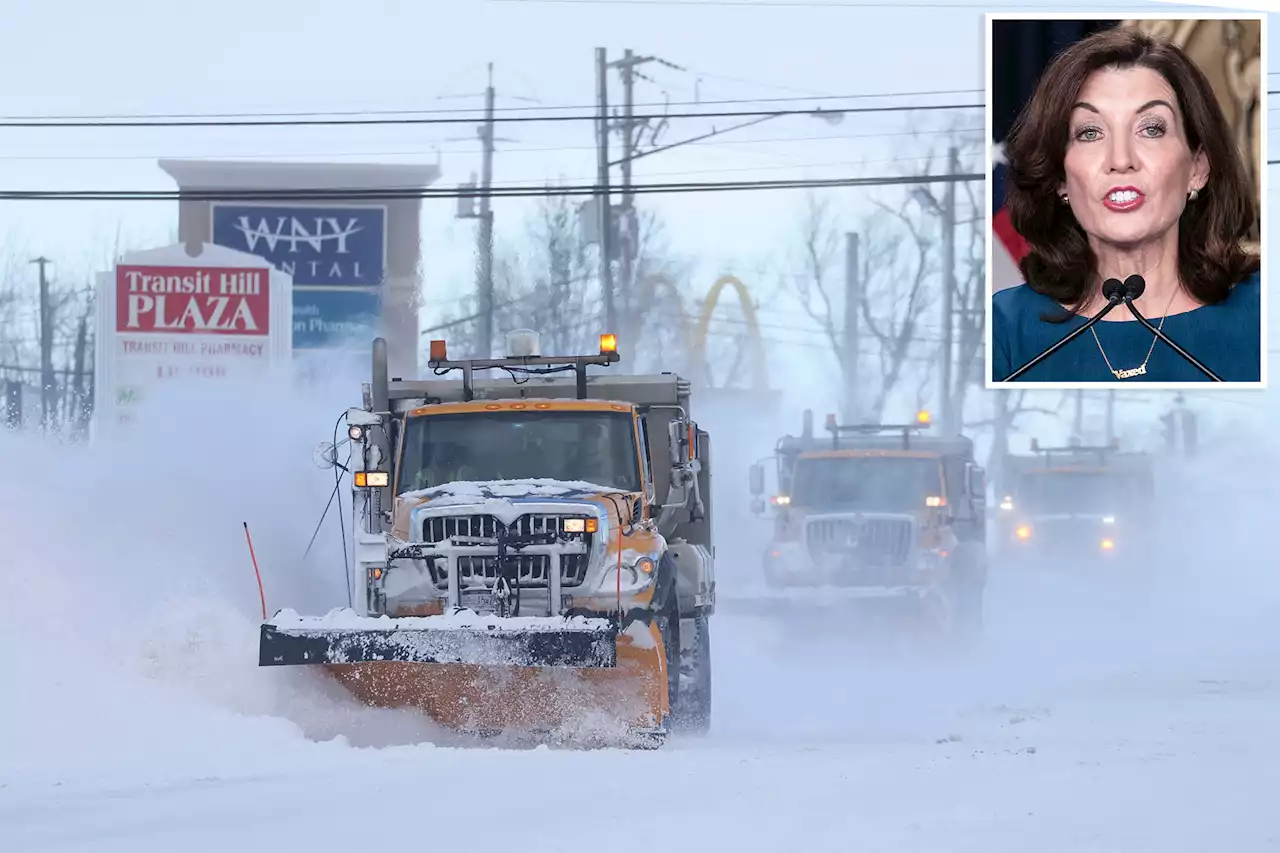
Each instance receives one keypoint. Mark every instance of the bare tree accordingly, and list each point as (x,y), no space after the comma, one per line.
(896,263)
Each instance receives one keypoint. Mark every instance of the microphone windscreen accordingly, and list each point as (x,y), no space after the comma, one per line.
(1134,286)
(1111,288)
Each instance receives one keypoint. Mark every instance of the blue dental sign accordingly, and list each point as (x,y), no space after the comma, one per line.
(325,319)
(318,246)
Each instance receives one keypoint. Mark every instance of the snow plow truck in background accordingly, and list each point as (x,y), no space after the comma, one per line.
(532,555)
(1076,506)
(878,517)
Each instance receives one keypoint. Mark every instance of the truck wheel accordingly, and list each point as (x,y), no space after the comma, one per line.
(693,707)
(668,620)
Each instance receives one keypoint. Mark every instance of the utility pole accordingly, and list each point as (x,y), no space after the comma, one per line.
(46,347)
(629,229)
(484,335)
(603,211)
(852,301)
(1111,416)
(482,189)
(948,293)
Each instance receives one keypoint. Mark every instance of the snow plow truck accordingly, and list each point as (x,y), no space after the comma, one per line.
(532,555)
(1076,506)
(878,517)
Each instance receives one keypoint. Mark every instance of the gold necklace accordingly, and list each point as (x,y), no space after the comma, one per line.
(1141,369)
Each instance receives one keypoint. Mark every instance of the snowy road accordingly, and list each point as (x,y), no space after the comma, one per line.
(817,747)
(1100,714)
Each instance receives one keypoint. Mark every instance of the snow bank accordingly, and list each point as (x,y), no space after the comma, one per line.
(129,601)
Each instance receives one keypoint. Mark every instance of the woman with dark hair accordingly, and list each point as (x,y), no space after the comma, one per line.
(1122,163)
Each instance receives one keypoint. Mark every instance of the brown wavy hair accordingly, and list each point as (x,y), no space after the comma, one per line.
(1060,263)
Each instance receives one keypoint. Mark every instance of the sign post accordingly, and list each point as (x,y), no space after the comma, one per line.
(167,315)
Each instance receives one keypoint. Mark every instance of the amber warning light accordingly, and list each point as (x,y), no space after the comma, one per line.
(608,343)
(372,479)
(438,351)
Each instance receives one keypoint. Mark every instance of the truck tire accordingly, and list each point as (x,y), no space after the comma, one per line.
(693,702)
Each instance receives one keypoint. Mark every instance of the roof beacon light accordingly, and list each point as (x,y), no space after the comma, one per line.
(923,417)
(438,351)
(608,343)
(523,343)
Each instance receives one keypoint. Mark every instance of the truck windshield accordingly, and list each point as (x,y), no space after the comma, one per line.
(1090,492)
(866,483)
(592,447)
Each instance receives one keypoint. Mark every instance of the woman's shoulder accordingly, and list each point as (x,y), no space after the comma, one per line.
(1245,295)
(1021,301)
(1250,286)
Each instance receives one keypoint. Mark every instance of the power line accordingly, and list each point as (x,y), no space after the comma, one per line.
(702,102)
(838,137)
(495,192)
(406,120)
(803,4)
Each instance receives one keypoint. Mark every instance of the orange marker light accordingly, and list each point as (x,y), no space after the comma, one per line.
(608,343)
(372,479)
(1024,532)
(438,351)
(593,524)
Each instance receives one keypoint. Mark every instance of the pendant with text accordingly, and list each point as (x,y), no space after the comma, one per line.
(1140,370)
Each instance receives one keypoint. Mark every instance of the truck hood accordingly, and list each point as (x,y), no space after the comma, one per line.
(505,493)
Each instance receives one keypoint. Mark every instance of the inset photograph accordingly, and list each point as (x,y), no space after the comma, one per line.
(1128,176)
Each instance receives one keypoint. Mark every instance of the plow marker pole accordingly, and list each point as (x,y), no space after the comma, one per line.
(262,596)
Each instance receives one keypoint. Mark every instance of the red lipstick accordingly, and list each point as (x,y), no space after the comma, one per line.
(1123,199)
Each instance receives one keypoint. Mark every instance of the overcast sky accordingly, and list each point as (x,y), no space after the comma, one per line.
(75,57)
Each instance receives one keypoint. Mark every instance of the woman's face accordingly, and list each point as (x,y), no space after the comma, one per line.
(1128,165)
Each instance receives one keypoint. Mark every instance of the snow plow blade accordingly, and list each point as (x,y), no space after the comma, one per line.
(290,640)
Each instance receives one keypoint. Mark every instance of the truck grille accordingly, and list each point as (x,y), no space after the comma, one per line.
(1066,535)
(867,542)
(481,569)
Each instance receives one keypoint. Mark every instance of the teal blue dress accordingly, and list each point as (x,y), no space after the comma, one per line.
(1226,338)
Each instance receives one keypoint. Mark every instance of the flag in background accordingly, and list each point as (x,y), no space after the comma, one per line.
(1020,50)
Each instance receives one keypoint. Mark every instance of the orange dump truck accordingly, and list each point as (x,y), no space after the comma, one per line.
(531,554)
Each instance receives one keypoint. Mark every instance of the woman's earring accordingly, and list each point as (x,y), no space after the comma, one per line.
(1064,198)
(1193,195)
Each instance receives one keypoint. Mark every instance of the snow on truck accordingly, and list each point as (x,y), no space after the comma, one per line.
(881,515)
(527,551)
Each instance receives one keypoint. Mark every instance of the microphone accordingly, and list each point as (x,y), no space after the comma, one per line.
(1114,292)
(1133,287)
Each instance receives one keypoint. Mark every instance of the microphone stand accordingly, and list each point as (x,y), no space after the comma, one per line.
(1114,297)
(1191,359)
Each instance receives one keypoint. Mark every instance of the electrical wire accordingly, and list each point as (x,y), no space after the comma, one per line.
(391,194)
(703,102)
(343,121)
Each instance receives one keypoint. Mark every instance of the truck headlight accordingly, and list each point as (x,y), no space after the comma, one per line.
(581,525)
(1108,519)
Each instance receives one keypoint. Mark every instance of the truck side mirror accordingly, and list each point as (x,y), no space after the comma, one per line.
(977,482)
(675,442)
(757,481)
